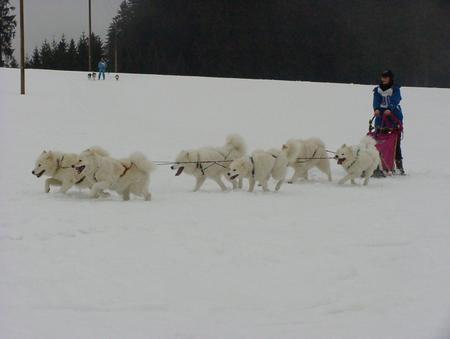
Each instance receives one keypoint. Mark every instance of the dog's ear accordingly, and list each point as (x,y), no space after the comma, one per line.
(344,145)
(50,154)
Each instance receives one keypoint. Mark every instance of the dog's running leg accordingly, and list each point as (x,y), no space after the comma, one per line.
(126,194)
(367,174)
(98,188)
(346,178)
(66,185)
(305,175)
(295,176)
(199,183)
(219,182)
(147,195)
(51,182)
(240,183)
(264,186)
(251,184)
(235,183)
(278,186)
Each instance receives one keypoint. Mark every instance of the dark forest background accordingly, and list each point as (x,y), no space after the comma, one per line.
(314,40)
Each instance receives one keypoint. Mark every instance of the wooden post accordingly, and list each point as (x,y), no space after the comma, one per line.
(90,36)
(115,51)
(22,50)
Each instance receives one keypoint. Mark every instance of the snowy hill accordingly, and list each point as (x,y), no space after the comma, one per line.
(314,260)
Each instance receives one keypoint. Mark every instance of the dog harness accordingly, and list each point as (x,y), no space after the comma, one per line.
(354,161)
(126,169)
(80,181)
(253,166)
(303,160)
(199,164)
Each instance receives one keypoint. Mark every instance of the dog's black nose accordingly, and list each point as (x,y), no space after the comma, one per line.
(172,168)
(32,172)
(73,166)
(228,173)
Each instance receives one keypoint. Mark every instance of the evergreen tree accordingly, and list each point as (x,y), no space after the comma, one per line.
(13,63)
(35,61)
(7,31)
(72,56)
(97,50)
(82,53)
(46,55)
(60,54)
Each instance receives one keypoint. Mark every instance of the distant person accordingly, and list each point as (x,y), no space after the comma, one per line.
(386,107)
(101,69)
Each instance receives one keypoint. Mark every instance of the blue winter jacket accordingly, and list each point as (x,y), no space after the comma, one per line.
(102,66)
(388,99)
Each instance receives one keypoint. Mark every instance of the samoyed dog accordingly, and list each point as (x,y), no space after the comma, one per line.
(125,176)
(58,167)
(211,162)
(259,167)
(307,154)
(358,160)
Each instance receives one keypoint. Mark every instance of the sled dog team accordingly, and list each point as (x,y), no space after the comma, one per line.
(96,170)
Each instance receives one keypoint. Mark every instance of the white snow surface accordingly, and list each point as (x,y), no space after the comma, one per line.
(315,260)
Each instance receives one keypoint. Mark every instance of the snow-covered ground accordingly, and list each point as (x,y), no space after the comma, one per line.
(314,260)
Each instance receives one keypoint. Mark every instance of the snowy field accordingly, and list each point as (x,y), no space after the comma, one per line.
(314,260)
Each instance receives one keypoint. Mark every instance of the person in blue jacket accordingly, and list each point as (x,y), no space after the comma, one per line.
(386,106)
(101,69)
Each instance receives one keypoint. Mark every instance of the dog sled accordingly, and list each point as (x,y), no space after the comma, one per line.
(387,136)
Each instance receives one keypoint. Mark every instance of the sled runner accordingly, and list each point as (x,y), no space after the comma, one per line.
(387,137)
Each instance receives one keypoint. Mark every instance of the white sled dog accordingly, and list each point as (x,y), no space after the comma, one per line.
(58,167)
(358,160)
(260,166)
(211,162)
(125,176)
(307,154)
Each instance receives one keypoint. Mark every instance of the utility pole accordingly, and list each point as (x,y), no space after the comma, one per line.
(90,36)
(22,50)
(115,51)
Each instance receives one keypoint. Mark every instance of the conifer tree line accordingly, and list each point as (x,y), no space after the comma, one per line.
(347,41)
(66,54)
(314,40)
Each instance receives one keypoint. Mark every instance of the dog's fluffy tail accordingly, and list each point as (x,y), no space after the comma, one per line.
(141,162)
(291,149)
(237,143)
(368,142)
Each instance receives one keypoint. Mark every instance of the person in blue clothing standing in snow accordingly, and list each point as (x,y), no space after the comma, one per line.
(101,69)
(386,107)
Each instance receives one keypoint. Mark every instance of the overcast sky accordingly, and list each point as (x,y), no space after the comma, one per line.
(48,19)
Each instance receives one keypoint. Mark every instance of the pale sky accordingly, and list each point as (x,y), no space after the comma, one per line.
(48,19)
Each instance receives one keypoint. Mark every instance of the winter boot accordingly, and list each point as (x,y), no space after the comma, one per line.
(378,173)
(399,165)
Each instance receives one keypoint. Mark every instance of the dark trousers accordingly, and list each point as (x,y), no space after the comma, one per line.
(398,150)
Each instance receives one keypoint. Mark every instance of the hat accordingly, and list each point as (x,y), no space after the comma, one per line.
(387,74)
